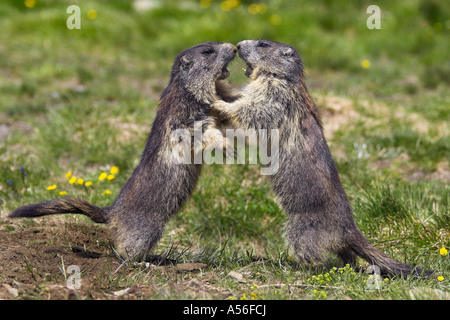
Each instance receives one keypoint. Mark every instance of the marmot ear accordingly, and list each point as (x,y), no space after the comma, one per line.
(186,62)
(287,52)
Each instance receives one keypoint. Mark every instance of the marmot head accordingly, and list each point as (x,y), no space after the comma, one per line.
(205,61)
(197,68)
(271,58)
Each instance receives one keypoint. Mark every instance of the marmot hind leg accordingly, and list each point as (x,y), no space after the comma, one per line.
(135,241)
(307,250)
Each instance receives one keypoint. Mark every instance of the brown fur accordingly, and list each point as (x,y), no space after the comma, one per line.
(159,187)
(307,185)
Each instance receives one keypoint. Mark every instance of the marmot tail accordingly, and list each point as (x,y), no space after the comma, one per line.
(387,265)
(60,206)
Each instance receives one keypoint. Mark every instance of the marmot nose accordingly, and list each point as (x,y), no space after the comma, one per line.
(239,45)
(231,46)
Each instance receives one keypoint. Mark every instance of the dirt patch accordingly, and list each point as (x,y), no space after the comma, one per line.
(38,258)
(336,112)
(441,173)
(35,256)
(128,130)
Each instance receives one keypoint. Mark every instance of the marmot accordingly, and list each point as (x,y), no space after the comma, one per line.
(306,185)
(159,187)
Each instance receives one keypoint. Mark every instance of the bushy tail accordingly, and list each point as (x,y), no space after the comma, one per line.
(387,265)
(60,206)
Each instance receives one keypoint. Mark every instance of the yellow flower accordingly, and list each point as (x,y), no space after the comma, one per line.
(253,8)
(80,181)
(262,8)
(110,177)
(88,183)
(73,180)
(319,294)
(30,3)
(257,8)
(92,14)
(114,170)
(226,5)
(53,187)
(63,193)
(102,176)
(68,174)
(107,191)
(440,278)
(234,3)
(443,251)
(365,64)
(244,297)
(275,19)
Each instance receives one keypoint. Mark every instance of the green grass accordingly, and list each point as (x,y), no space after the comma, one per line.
(84,100)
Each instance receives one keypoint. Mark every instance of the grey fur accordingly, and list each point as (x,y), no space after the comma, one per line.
(158,187)
(307,185)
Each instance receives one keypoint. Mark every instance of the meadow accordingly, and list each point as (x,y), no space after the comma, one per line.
(76,106)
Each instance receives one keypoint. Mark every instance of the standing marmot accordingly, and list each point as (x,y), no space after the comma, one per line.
(159,187)
(306,184)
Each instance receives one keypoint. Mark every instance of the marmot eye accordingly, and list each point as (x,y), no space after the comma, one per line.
(263,44)
(208,51)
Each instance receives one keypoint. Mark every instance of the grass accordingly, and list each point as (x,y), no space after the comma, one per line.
(84,100)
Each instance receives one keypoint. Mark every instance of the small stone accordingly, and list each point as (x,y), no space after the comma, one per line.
(236,276)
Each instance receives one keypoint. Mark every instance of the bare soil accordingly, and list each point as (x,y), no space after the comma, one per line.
(36,254)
